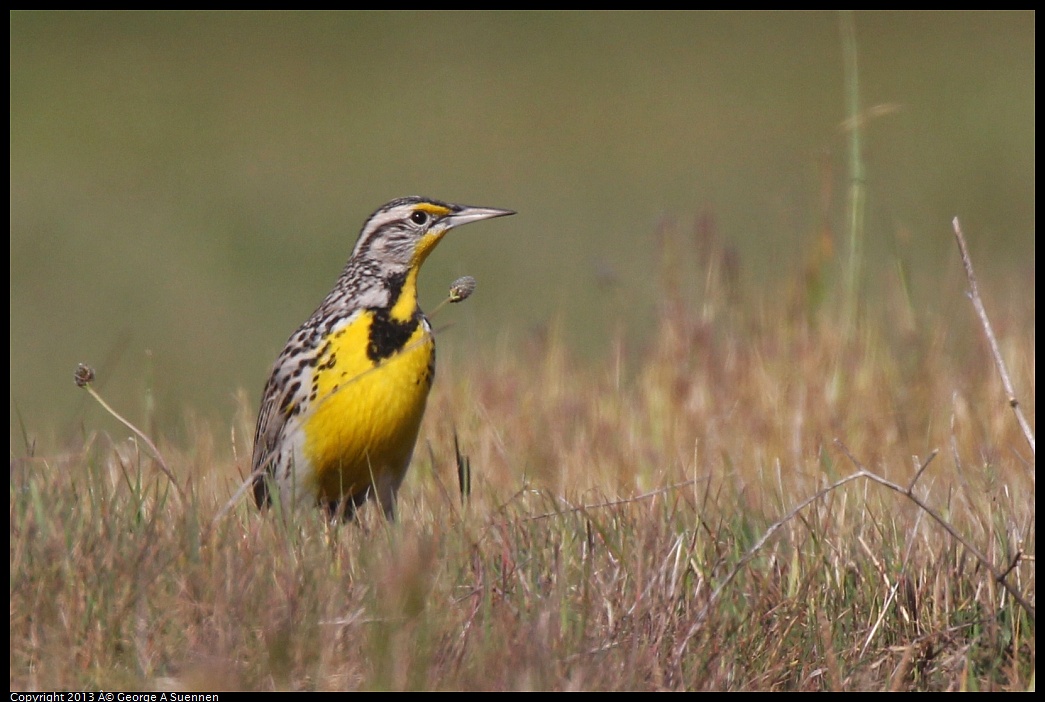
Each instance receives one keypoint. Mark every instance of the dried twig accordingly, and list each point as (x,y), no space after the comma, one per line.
(977,303)
(908,492)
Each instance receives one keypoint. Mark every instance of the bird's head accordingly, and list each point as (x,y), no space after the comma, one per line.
(403,232)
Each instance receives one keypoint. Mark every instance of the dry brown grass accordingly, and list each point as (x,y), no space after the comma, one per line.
(609,500)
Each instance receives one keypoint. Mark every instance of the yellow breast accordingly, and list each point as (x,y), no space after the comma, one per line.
(363,421)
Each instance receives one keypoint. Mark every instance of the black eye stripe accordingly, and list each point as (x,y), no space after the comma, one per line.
(419,218)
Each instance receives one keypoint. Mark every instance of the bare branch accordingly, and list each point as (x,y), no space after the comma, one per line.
(947,526)
(1015,562)
(977,303)
(921,469)
(861,472)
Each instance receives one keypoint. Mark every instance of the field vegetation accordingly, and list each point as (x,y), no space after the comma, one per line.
(674,515)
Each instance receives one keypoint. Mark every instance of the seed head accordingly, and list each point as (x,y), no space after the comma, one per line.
(462,288)
(84,375)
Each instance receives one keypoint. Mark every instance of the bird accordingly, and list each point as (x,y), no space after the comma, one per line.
(341,410)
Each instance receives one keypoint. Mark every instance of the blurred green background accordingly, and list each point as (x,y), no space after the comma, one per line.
(185,188)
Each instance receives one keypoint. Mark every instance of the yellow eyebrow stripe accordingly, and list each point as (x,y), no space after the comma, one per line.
(434,210)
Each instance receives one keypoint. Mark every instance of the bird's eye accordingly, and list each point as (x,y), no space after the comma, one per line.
(419,218)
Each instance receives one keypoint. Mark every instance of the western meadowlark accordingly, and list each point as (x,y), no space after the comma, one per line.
(340,413)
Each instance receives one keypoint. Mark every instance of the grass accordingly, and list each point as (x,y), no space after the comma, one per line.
(610,538)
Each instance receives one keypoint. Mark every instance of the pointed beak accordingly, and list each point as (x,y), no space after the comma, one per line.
(468,215)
